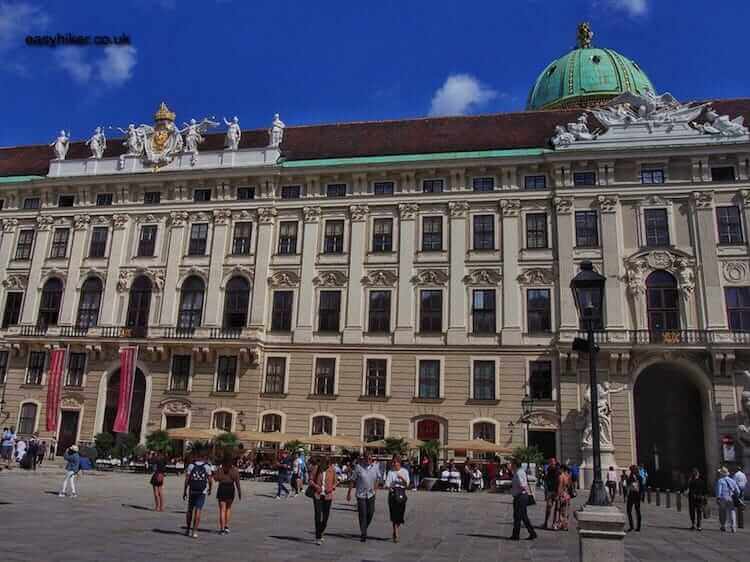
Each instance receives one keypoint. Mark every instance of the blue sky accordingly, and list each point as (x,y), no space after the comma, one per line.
(329,61)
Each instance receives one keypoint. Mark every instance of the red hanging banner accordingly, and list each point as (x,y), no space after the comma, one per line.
(54,386)
(127,376)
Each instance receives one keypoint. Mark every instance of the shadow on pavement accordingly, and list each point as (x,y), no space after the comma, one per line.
(293,539)
(141,507)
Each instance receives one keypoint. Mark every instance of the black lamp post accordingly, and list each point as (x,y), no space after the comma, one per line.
(588,292)
(527,405)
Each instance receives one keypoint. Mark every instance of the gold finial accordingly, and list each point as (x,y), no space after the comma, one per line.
(163,113)
(584,35)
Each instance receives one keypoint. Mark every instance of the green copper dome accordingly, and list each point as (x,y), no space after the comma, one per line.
(586,77)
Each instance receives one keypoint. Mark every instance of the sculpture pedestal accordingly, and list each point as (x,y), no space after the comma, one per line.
(601,531)
(586,476)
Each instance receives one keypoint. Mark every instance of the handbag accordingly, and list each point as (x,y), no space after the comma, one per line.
(398,494)
(532,500)
(737,500)
(310,492)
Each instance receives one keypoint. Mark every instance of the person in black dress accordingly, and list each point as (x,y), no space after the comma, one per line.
(696,499)
(634,489)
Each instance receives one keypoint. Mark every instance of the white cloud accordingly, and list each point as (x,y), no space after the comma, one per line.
(71,60)
(117,65)
(460,94)
(632,7)
(18,20)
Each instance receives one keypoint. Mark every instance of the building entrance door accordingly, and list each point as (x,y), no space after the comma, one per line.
(68,430)
(544,441)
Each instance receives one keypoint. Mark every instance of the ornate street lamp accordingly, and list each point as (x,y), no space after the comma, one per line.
(527,405)
(588,292)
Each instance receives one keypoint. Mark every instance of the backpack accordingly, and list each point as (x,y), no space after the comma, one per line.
(198,480)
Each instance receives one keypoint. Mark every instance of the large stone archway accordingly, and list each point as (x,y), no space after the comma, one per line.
(109,386)
(674,422)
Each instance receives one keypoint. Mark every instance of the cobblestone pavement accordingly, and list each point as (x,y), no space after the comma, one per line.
(112,520)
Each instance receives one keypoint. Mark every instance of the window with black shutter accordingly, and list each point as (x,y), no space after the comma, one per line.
(147,241)
(429,379)
(540,380)
(12,314)
(333,242)
(431,311)
(198,239)
(325,376)
(538,310)
(536,230)
(376,377)
(76,369)
(483,311)
(241,240)
(24,245)
(379,320)
(226,374)
(281,315)
(98,246)
(484,380)
(484,232)
(180,373)
(275,372)
(432,234)
(288,238)
(329,311)
(35,372)
(382,235)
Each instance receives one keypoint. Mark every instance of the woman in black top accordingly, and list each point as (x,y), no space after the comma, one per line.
(696,498)
(634,489)
(157,480)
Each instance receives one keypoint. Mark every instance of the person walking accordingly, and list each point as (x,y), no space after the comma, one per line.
(72,468)
(6,446)
(397,482)
(521,493)
(298,473)
(623,483)
(741,479)
(564,496)
(551,477)
(727,496)
(696,499)
(198,484)
(227,479)
(159,466)
(634,487)
(323,482)
(365,479)
(283,467)
(612,483)
(42,453)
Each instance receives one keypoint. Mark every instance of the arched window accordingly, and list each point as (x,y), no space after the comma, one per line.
(88,306)
(27,420)
(49,308)
(484,431)
(191,303)
(374,430)
(662,302)
(223,421)
(271,423)
(236,303)
(321,425)
(139,304)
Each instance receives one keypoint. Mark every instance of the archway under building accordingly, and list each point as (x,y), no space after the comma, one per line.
(673,422)
(135,423)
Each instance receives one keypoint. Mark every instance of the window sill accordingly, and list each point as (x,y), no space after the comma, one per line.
(327,333)
(366,398)
(278,395)
(224,393)
(481,402)
(417,400)
(732,244)
(30,386)
(594,247)
(322,396)
(78,387)
(171,392)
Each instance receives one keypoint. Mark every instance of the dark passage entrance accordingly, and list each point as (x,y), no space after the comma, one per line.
(544,441)
(136,409)
(68,430)
(669,425)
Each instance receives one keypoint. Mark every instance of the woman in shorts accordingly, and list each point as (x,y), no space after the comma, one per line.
(227,478)
(159,465)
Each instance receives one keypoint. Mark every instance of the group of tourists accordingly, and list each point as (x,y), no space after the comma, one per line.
(17,450)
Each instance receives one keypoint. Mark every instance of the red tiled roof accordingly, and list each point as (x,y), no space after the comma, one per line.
(376,138)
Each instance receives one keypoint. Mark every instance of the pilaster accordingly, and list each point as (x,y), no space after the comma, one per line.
(611,236)
(511,209)
(705,232)
(457,333)
(77,250)
(408,213)
(264,251)
(30,303)
(117,256)
(177,225)
(565,244)
(357,251)
(214,306)
(306,302)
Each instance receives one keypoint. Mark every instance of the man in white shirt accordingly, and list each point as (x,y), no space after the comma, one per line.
(741,479)
(520,491)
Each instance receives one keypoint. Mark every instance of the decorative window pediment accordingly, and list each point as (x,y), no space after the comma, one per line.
(284,279)
(430,277)
(380,278)
(330,279)
(483,277)
(537,276)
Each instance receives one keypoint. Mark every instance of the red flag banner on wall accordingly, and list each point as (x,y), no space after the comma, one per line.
(54,386)
(127,376)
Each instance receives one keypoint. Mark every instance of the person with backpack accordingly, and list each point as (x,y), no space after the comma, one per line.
(198,484)
(397,482)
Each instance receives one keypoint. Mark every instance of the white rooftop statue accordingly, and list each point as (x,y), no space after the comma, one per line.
(61,145)
(97,143)
(234,133)
(276,132)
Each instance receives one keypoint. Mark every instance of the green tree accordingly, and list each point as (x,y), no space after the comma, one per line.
(104,442)
(530,454)
(125,445)
(431,450)
(159,441)
(294,445)
(396,446)
(227,440)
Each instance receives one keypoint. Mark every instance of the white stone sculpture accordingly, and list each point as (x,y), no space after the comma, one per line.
(97,143)
(193,133)
(604,408)
(61,145)
(134,139)
(232,139)
(648,109)
(573,132)
(721,125)
(743,429)
(276,132)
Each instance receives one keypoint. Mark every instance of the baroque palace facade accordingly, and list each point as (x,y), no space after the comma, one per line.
(404,278)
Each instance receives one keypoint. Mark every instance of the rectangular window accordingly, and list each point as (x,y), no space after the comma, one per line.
(379,320)
(35,372)
(336,190)
(98,245)
(66,200)
(432,186)
(147,241)
(587,229)
(329,311)
(382,235)
(198,240)
(288,238)
(290,191)
(32,203)
(535,182)
(484,232)
(538,310)
(540,380)
(24,245)
(430,311)
(376,377)
(584,178)
(180,373)
(483,311)
(651,176)
(536,230)
(432,234)
(484,380)
(152,198)
(429,379)
(333,242)
(76,369)
(59,247)
(722,174)
(383,188)
(201,195)
(12,314)
(104,199)
(226,373)
(730,225)
(245,193)
(281,315)
(3,367)
(275,370)
(657,227)
(325,376)
(241,241)
(483,185)
(738,308)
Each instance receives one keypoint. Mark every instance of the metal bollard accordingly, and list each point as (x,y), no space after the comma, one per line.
(679,501)
(648,495)
(658,497)
(741,517)
(669,499)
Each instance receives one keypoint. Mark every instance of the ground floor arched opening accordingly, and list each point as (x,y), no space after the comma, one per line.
(135,424)
(670,430)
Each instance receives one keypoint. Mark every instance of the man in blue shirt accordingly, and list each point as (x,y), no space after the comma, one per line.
(365,480)
(72,467)
(284,468)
